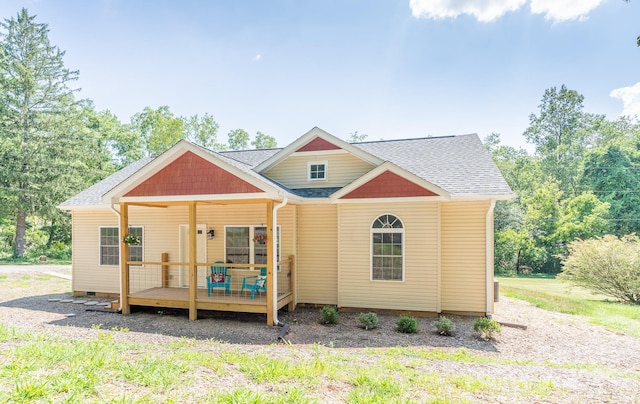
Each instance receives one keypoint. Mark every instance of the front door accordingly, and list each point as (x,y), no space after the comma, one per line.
(201,251)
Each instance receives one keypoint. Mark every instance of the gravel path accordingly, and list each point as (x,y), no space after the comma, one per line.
(586,362)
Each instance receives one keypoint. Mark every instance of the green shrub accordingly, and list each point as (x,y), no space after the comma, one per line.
(608,265)
(486,327)
(329,315)
(444,326)
(407,324)
(369,320)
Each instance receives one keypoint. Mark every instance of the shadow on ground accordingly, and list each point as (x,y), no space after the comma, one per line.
(250,328)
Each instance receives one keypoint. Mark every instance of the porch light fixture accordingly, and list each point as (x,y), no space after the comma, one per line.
(210,233)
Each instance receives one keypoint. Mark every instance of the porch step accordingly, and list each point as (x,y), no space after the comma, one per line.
(115,304)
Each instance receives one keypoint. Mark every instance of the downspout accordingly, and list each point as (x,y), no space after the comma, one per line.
(119,252)
(489,255)
(274,254)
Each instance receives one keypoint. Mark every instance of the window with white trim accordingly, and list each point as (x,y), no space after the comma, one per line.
(243,245)
(387,249)
(317,170)
(110,245)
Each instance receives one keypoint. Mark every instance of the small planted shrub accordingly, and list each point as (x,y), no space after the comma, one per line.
(407,324)
(369,320)
(329,315)
(486,327)
(444,326)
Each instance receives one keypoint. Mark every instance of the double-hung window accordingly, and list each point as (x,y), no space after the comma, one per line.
(387,249)
(243,245)
(110,245)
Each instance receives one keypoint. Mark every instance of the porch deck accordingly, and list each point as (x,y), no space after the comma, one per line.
(179,298)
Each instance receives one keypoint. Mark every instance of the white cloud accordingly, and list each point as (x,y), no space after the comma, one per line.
(564,10)
(490,10)
(482,10)
(630,97)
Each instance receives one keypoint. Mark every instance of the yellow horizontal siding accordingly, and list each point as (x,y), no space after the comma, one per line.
(88,275)
(161,235)
(464,256)
(342,168)
(317,254)
(419,290)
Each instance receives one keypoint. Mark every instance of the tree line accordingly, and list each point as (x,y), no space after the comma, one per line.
(53,144)
(581,182)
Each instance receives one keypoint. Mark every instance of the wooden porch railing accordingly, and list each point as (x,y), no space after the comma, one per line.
(165,274)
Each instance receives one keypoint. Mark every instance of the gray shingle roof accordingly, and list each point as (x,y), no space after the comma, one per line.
(93,194)
(250,157)
(314,192)
(458,164)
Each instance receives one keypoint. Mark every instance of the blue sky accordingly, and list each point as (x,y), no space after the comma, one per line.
(388,69)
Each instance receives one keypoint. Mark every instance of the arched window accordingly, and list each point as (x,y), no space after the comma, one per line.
(387,249)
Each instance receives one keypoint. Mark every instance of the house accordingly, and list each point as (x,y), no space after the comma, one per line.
(403,225)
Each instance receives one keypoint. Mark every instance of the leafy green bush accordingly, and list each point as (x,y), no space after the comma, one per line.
(407,324)
(329,315)
(486,327)
(444,326)
(369,320)
(608,265)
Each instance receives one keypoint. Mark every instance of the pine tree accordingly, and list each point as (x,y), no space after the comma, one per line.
(37,112)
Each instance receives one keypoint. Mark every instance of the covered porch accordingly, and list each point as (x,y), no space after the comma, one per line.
(184,283)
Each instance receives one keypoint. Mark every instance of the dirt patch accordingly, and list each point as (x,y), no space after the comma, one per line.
(558,346)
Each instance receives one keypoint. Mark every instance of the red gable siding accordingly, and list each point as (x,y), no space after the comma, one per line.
(318,144)
(190,174)
(388,185)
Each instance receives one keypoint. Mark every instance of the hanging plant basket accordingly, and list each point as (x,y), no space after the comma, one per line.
(131,240)
(260,239)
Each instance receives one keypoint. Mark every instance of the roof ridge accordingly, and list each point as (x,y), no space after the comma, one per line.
(412,138)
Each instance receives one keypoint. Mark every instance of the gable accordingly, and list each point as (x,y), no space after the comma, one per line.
(388,185)
(318,144)
(190,174)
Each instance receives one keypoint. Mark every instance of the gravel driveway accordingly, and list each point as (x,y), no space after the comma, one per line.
(585,362)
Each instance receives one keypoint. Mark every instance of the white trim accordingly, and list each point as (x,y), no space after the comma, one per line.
(388,166)
(251,243)
(306,138)
(489,255)
(392,231)
(117,227)
(439,259)
(115,195)
(187,198)
(391,200)
(182,283)
(497,197)
(318,163)
(322,153)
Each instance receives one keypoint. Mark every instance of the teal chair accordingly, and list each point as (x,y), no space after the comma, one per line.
(218,279)
(255,283)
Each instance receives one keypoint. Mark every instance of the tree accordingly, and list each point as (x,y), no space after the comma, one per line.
(203,130)
(37,107)
(613,174)
(238,139)
(263,141)
(608,265)
(561,134)
(356,137)
(159,129)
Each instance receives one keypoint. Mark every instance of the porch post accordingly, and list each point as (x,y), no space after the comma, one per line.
(193,309)
(271,304)
(124,257)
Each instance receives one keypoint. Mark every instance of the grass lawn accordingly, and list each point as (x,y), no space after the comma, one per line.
(551,294)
